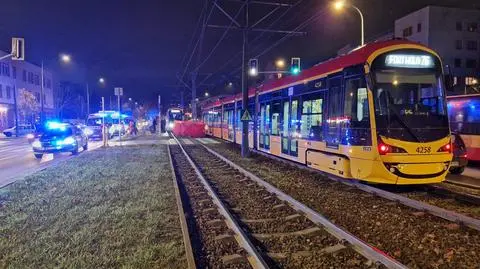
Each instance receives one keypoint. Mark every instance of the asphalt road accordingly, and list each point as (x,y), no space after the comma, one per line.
(17,160)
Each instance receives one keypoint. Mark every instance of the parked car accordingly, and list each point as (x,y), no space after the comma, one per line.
(60,137)
(35,134)
(23,129)
(459,161)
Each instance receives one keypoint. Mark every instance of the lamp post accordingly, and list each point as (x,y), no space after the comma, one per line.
(339,5)
(65,58)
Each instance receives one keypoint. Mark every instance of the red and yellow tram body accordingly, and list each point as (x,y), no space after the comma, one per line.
(377,114)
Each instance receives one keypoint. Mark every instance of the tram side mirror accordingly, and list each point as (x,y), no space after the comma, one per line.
(449,83)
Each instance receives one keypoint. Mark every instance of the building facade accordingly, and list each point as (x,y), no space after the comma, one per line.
(17,80)
(452,32)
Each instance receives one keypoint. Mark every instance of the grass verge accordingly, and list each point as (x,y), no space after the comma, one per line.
(112,208)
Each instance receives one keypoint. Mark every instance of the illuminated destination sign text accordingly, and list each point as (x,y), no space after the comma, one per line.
(409,61)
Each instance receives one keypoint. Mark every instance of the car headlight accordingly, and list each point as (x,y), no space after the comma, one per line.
(67,141)
(30,136)
(171,125)
(36,144)
(88,131)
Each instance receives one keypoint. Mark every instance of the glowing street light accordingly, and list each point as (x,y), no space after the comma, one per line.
(230,84)
(280,63)
(340,4)
(206,94)
(65,58)
(101,80)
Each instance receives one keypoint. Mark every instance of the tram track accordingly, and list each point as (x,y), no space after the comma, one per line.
(413,235)
(286,233)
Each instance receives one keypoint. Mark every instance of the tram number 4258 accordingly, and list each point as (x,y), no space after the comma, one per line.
(424,150)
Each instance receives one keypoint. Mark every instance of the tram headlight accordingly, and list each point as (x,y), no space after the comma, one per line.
(171,125)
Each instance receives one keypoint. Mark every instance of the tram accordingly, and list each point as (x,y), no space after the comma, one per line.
(376,114)
(464,114)
(173,114)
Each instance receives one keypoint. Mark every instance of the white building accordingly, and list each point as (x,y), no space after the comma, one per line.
(16,76)
(452,32)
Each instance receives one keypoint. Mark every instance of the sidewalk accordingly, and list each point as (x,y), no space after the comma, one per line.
(469,178)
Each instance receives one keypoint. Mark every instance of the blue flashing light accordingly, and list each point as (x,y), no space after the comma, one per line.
(56,125)
(472,107)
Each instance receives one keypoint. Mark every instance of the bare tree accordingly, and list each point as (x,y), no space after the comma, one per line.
(27,105)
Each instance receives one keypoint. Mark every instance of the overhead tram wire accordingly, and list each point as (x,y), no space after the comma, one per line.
(198,41)
(272,24)
(204,8)
(300,27)
(221,38)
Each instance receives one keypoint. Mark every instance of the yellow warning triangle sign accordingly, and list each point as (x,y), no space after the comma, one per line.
(246,116)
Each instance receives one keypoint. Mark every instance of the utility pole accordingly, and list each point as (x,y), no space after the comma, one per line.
(194,95)
(15,106)
(245,148)
(246,28)
(88,101)
(42,112)
(159,115)
(104,134)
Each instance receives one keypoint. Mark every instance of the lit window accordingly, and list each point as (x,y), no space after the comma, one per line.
(471,81)
(455,80)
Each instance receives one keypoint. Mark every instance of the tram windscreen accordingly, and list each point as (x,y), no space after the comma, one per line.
(410,102)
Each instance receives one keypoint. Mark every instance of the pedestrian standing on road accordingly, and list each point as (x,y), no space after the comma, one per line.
(163,122)
(154,125)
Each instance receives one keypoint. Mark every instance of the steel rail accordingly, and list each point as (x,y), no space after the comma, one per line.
(357,244)
(255,258)
(181,214)
(434,210)
(461,184)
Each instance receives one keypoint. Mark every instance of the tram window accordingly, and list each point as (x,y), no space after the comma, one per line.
(356,103)
(276,117)
(311,121)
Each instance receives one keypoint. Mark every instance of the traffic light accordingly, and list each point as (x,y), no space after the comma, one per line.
(253,67)
(295,66)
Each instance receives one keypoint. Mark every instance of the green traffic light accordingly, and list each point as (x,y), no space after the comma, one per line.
(295,70)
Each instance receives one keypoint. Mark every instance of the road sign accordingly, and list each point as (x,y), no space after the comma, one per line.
(18,49)
(118,91)
(246,116)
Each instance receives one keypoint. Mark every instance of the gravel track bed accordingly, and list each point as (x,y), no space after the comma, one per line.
(458,188)
(416,239)
(449,203)
(207,250)
(251,202)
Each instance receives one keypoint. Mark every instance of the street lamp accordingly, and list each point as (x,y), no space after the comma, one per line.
(230,84)
(65,58)
(280,63)
(206,94)
(101,80)
(340,4)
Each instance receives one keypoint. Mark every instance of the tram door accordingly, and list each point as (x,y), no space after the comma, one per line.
(290,128)
(265,126)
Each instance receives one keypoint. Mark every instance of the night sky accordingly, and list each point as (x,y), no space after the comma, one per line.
(140,44)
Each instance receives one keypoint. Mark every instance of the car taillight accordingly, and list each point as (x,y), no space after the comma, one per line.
(446,148)
(384,148)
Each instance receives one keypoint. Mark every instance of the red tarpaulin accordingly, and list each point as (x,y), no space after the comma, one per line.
(189,128)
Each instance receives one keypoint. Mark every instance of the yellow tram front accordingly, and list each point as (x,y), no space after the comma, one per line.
(410,130)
